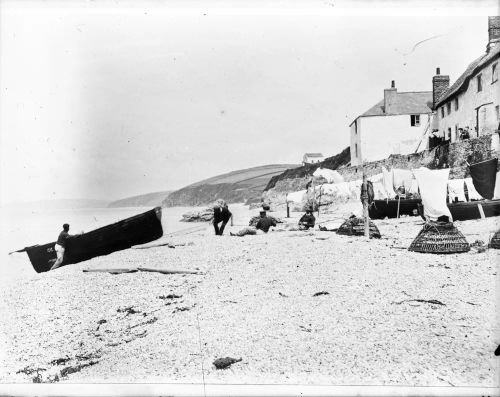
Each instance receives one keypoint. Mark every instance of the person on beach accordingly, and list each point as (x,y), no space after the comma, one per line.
(263,225)
(307,220)
(221,214)
(265,222)
(60,246)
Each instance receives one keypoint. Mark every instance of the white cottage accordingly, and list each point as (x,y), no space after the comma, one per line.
(395,125)
(470,107)
(312,158)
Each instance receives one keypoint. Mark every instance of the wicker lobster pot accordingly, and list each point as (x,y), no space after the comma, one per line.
(439,238)
(495,240)
(355,226)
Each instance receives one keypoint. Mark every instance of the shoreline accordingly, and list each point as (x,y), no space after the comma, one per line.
(255,300)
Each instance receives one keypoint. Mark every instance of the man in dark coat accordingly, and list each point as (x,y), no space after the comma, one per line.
(307,220)
(221,214)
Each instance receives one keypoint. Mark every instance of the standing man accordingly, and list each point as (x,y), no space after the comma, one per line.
(221,214)
(61,246)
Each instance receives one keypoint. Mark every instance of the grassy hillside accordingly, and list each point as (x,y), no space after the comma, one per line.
(237,186)
(143,200)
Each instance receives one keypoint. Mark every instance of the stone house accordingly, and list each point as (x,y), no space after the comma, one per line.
(471,104)
(395,125)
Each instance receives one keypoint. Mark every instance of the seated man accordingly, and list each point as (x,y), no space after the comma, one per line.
(307,221)
(263,225)
(265,222)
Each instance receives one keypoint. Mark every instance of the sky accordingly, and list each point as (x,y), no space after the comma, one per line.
(109,99)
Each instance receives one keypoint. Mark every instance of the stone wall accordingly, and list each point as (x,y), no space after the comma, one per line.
(454,155)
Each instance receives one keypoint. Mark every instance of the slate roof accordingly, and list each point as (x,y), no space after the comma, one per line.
(406,103)
(463,81)
(313,155)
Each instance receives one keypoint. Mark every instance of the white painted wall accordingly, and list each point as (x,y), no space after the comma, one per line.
(378,137)
(468,101)
(312,160)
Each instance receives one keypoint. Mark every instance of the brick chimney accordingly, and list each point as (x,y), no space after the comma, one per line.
(390,98)
(493,32)
(440,84)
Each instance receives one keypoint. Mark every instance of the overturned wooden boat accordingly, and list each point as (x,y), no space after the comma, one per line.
(138,229)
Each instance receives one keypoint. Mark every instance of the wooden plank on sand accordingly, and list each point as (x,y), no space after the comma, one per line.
(166,271)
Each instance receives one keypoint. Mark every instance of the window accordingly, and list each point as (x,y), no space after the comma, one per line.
(449,133)
(415,120)
(479,83)
(448,107)
(497,111)
(494,73)
(356,149)
(442,112)
(456,103)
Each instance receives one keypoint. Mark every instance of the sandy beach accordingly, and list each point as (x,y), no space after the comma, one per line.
(256,298)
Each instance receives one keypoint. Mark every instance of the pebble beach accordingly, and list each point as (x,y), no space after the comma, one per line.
(298,307)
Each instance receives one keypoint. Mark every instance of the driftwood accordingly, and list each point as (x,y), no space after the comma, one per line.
(166,271)
(431,301)
(152,246)
(112,271)
(143,269)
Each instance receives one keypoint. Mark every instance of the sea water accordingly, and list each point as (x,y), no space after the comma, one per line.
(23,226)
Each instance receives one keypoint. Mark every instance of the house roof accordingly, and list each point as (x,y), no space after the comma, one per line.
(313,155)
(405,103)
(463,81)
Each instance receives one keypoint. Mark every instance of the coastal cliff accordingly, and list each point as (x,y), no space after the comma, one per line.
(143,200)
(234,187)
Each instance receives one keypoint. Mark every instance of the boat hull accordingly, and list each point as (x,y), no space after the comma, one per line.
(470,210)
(380,209)
(462,211)
(139,229)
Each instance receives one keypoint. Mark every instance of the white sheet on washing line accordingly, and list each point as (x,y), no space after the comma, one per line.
(433,189)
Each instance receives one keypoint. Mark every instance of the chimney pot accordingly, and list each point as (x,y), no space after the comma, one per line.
(440,83)
(438,71)
(390,98)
